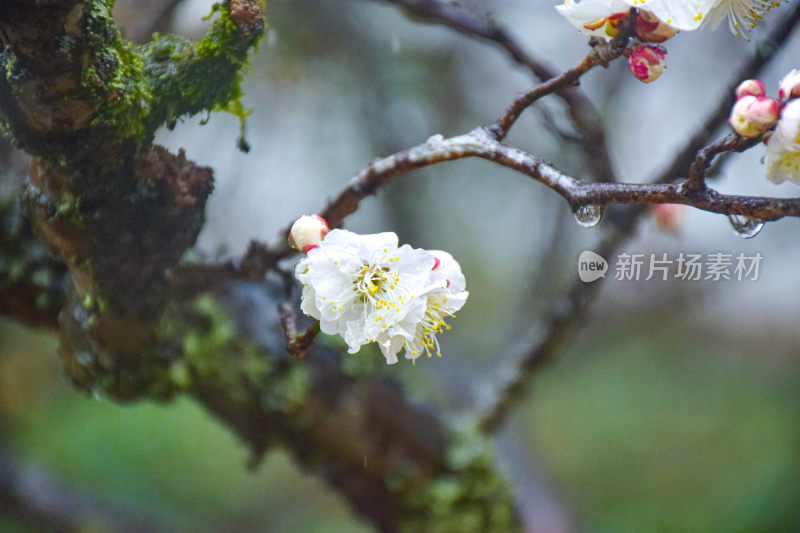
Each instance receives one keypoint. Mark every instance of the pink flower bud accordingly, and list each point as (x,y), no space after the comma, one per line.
(646,62)
(649,29)
(307,232)
(751,88)
(790,86)
(753,115)
(669,217)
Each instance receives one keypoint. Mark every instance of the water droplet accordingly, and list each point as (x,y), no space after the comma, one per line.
(588,215)
(745,226)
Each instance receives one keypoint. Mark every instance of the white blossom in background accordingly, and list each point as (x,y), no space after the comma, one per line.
(366,288)
(601,17)
(783,147)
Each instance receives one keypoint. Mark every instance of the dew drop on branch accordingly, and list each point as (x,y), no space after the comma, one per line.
(588,215)
(745,226)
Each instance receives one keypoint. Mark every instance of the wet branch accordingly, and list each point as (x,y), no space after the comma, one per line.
(582,112)
(479,143)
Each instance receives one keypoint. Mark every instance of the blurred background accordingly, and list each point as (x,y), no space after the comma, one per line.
(675,408)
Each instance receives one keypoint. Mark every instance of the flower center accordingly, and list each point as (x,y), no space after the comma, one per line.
(377,287)
(372,282)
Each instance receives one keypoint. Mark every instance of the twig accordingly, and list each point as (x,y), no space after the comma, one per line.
(297,344)
(582,112)
(602,53)
(697,172)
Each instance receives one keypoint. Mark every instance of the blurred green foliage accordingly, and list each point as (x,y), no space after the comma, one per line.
(658,427)
(172,463)
(651,431)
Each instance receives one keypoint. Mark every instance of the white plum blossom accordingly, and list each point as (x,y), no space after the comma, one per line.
(783,147)
(367,289)
(444,296)
(599,17)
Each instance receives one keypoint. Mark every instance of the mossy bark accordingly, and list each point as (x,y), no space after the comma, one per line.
(119,213)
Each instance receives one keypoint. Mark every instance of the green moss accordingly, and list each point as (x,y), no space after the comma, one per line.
(215,354)
(115,72)
(188,78)
(471,497)
(127,92)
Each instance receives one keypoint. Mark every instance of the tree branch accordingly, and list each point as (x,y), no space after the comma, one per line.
(582,113)
(479,143)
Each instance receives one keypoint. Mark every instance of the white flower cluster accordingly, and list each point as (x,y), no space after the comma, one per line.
(594,17)
(367,289)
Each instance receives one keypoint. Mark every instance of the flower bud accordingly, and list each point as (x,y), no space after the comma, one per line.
(751,88)
(307,232)
(649,29)
(669,217)
(753,115)
(646,62)
(790,86)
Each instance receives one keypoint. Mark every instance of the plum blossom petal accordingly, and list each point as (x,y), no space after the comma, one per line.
(783,149)
(444,296)
(790,85)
